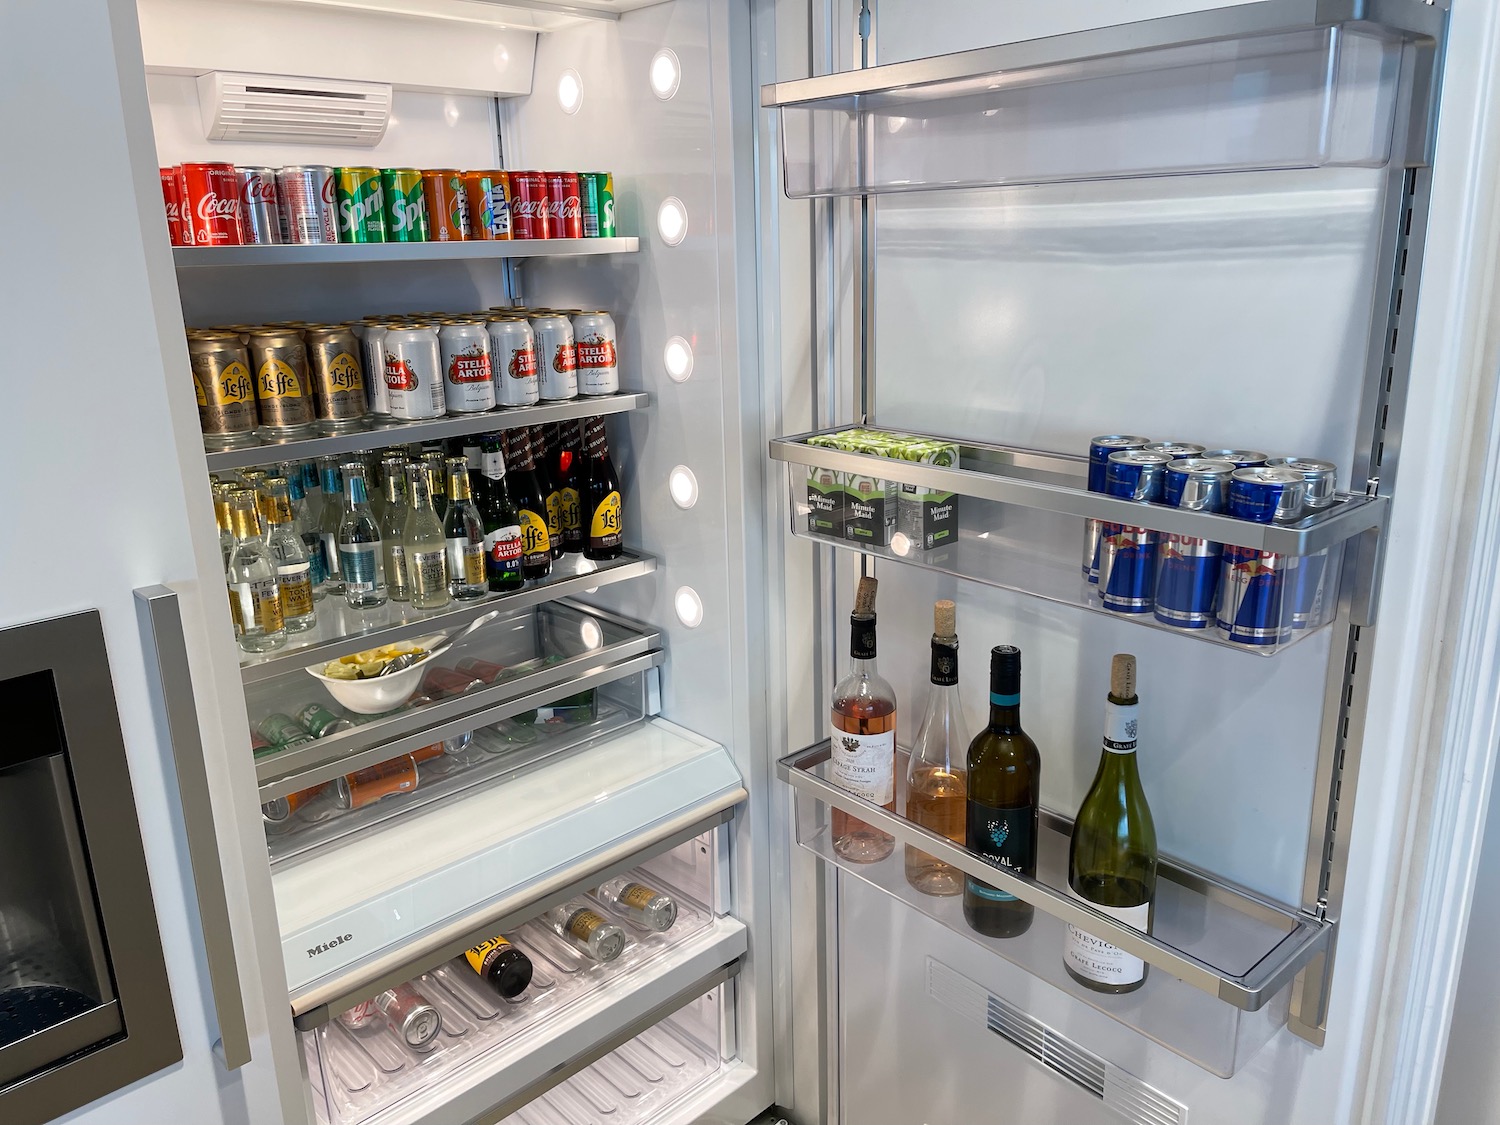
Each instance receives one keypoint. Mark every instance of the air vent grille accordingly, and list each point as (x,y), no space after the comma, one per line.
(278,108)
(1121,1091)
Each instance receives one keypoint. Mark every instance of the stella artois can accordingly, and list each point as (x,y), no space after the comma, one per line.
(225,389)
(513,361)
(282,390)
(468,386)
(377,395)
(338,378)
(414,372)
(556,356)
(596,353)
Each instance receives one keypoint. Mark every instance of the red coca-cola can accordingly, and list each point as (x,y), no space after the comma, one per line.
(529,211)
(174,209)
(208,204)
(564,205)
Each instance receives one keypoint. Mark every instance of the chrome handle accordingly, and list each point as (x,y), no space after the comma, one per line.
(161,625)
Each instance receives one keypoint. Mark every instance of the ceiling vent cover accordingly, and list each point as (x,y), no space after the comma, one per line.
(274,107)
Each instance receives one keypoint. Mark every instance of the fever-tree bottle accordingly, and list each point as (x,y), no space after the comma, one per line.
(254,598)
(464,531)
(293,570)
(361,561)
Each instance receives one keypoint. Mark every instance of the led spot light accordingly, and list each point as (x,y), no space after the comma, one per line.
(677,358)
(570,91)
(665,73)
(671,220)
(683,486)
(689,606)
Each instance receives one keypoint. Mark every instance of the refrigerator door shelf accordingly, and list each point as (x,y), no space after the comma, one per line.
(370,1071)
(1222,957)
(341,630)
(198,257)
(436,429)
(534,655)
(1276,84)
(417,890)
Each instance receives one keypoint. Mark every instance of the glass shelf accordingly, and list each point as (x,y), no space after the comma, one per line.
(341,630)
(1275,84)
(198,257)
(435,429)
(1012,521)
(1223,958)
(521,660)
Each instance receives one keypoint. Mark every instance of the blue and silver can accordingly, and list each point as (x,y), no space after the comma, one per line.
(1177,450)
(1239,458)
(1099,450)
(1253,584)
(1127,555)
(1187,568)
(1314,589)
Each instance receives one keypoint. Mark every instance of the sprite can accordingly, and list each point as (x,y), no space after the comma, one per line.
(597,192)
(361,204)
(405,205)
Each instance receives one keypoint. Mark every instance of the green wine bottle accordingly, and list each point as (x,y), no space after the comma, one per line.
(1112,860)
(1005,783)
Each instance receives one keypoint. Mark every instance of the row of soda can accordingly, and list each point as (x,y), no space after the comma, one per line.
(316,204)
(278,382)
(1251,597)
(875,511)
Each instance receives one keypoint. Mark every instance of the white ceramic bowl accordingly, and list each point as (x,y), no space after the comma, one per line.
(379,693)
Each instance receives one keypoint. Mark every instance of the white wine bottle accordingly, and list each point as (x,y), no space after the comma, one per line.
(1112,860)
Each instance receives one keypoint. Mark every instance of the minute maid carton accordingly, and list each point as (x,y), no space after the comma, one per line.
(825,494)
(874,508)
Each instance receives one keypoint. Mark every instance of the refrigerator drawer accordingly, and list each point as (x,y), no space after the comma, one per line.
(416,890)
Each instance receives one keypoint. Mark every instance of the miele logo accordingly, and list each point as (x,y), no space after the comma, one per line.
(327,945)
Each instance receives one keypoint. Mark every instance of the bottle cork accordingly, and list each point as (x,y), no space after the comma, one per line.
(1122,676)
(864,597)
(944,619)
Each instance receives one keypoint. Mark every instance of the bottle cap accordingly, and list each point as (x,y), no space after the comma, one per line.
(1005,670)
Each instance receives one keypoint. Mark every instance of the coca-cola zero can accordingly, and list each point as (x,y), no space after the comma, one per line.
(208,197)
(260,207)
(529,213)
(564,205)
(307,200)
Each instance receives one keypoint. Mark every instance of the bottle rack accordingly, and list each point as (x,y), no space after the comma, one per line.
(1036,552)
(1224,957)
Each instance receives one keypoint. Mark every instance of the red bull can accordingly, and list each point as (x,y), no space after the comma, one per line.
(1187,568)
(1127,555)
(1253,584)
(1314,589)
(1239,458)
(1177,450)
(1099,450)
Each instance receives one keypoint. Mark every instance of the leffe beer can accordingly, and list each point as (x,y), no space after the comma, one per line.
(282,391)
(260,207)
(338,379)
(513,361)
(224,388)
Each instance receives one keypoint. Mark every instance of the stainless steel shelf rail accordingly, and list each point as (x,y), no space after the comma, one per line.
(198,257)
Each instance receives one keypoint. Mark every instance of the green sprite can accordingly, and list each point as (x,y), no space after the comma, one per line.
(361,204)
(597,194)
(405,205)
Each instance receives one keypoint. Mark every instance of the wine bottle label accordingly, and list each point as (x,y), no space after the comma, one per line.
(1003,837)
(428,570)
(1095,959)
(864,764)
(481,955)
(637,896)
(1120,727)
(583,923)
(358,566)
(494,465)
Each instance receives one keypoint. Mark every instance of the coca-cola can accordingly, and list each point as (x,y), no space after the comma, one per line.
(564,205)
(529,213)
(596,353)
(414,372)
(307,201)
(174,205)
(208,197)
(513,360)
(372,341)
(408,1013)
(260,207)
(468,386)
(556,358)
(362,1016)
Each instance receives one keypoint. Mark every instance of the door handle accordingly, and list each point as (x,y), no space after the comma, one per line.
(161,625)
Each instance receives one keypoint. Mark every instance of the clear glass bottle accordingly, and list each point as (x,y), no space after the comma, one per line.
(586,930)
(361,561)
(863,736)
(254,598)
(221,491)
(312,487)
(463,529)
(936,778)
(437,481)
(393,529)
(334,507)
(1112,859)
(293,570)
(424,545)
(306,526)
(637,902)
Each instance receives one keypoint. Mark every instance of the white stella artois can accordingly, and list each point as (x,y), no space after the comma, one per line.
(414,372)
(467,382)
(513,360)
(596,353)
(372,340)
(556,356)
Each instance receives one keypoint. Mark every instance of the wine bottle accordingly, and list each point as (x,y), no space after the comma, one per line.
(1005,781)
(862,757)
(506,968)
(1112,859)
(936,777)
